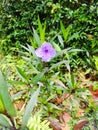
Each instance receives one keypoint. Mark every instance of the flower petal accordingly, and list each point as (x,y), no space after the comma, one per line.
(53,52)
(46,52)
(46,45)
(46,58)
(39,52)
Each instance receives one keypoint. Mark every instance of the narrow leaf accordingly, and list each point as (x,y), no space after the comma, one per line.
(43,33)
(32,102)
(66,62)
(39,25)
(4,121)
(58,49)
(39,76)
(61,40)
(17,82)
(74,36)
(65,32)
(75,50)
(18,94)
(72,80)
(25,48)
(22,74)
(59,82)
(63,51)
(37,38)
(6,96)
(31,49)
(41,30)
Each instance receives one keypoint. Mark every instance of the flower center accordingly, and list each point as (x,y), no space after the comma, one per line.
(46,50)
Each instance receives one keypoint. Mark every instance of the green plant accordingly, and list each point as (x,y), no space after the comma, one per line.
(96,61)
(37,123)
(7,116)
(23,16)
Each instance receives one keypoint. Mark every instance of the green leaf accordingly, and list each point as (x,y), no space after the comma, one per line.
(95,87)
(39,25)
(31,49)
(41,30)
(6,99)
(25,48)
(74,36)
(17,82)
(66,62)
(37,38)
(19,94)
(4,121)
(75,50)
(61,40)
(32,102)
(42,35)
(39,76)
(96,61)
(22,74)
(72,80)
(65,32)
(69,83)
(58,49)
(63,51)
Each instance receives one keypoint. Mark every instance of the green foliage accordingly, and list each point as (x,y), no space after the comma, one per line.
(41,30)
(2,108)
(5,96)
(36,123)
(20,17)
(67,25)
(65,31)
(96,61)
(7,107)
(32,102)
(4,121)
(39,76)
(22,74)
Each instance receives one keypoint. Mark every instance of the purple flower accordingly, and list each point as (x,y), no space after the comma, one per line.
(46,52)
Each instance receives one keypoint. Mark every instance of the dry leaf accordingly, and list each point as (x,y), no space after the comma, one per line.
(57,100)
(55,124)
(80,124)
(65,118)
(19,105)
(94,93)
(60,98)
(80,113)
(90,36)
(61,124)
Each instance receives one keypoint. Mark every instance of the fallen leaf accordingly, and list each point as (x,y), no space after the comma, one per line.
(65,117)
(80,124)
(57,100)
(90,36)
(80,113)
(19,105)
(94,93)
(62,123)
(55,124)
(60,98)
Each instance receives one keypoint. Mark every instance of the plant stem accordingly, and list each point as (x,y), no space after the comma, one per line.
(12,121)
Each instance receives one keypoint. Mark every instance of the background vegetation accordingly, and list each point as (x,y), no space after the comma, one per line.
(70,78)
